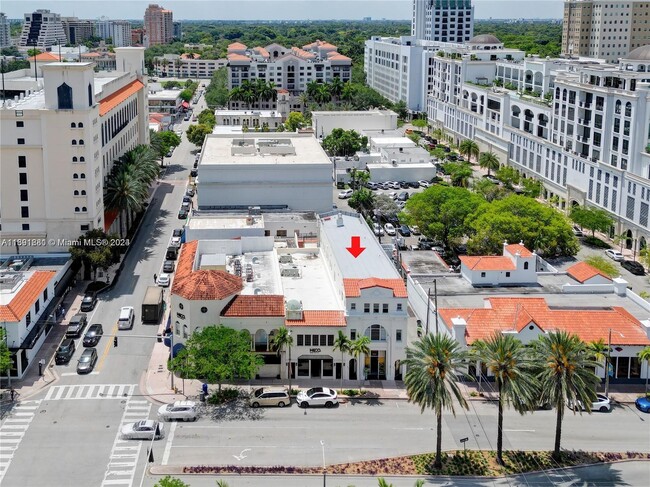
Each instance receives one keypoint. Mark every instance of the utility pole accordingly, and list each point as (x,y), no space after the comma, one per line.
(608,361)
(435,301)
(428,305)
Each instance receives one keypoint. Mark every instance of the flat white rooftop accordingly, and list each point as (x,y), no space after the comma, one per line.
(225,222)
(314,287)
(165,95)
(262,149)
(249,113)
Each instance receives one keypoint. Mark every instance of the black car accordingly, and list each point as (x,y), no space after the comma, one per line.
(414,184)
(451,259)
(634,267)
(177,232)
(182,213)
(65,351)
(404,231)
(87,361)
(88,302)
(194,173)
(76,325)
(168,266)
(93,335)
(403,184)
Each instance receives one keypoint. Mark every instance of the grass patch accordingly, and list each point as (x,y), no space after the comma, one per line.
(352,392)
(596,243)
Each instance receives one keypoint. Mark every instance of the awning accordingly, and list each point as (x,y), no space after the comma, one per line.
(185,104)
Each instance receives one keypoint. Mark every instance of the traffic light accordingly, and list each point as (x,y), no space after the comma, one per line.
(115,341)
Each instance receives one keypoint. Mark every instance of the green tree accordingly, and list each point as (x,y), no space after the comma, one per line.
(336,88)
(441,212)
(362,200)
(401,109)
(322,94)
(217,354)
(348,92)
(94,251)
(606,266)
(519,218)
(513,371)
(566,374)
(459,172)
(593,219)
(358,178)
(532,187)
(206,117)
(358,347)
(508,176)
(386,205)
(489,161)
(431,379)
(598,351)
(169,481)
(5,354)
(164,141)
(439,153)
(125,193)
(469,149)
(644,356)
(186,95)
(342,344)
(488,190)
(282,340)
(295,120)
(196,134)
(419,123)
(342,142)
(439,134)
(312,89)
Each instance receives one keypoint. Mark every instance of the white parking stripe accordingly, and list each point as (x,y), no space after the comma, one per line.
(10,440)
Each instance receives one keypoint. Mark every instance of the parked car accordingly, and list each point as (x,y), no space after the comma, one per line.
(614,255)
(183,213)
(175,241)
(345,194)
(186,205)
(93,335)
(383,185)
(414,184)
(492,178)
(403,196)
(187,199)
(577,232)
(194,172)
(424,184)
(169,153)
(168,266)
(270,396)
(163,280)
(394,185)
(643,404)
(189,192)
(376,228)
(195,165)
(317,396)
(126,319)
(404,230)
(143,430)
(76,325)
(415,230)
(87,361)
(389,228)
(372,185)
(635,268)
(403,185)
(179,410)
(65,351)
(88,302)
(393,195)
(602,404)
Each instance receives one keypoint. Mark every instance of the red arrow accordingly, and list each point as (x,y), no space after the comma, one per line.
(355,247)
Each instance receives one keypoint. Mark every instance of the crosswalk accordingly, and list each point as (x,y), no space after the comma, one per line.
(89,391)
(12,431)
(125,453)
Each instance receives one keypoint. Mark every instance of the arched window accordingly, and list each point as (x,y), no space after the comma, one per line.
(83,192)
(617,107)
(90,95)
(376,333)
(73,125)
(261,341)
(76,192)
(76,209)
(74,142)
(80,125)
(525,265)
(64,95)
(83,175)
(82,159)
(628,109)
(84,209)
(74,159)
(81,141)
(75,176)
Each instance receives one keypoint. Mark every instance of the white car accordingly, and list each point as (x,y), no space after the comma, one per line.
(376,227)
(345,194)
(317,396)
(143,430)
(163,280)
(394,185)
(393,195)
(175,242)
(180,410)
(614,255)
(390,229)
(602,404)
(415,230)
(424,183)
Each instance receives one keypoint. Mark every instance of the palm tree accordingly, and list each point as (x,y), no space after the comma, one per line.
(348,91)
(565,375)
(489,161)
(439,134)
(460,175)
(513,371)
(342,343)
(336,88)
(235,94)
(282,340)
(304,100)
(249,97)
(644,356)
(469,148)
(431,378)
(124,193)
(322,95)
(598,351)
(312,88)
(358,347)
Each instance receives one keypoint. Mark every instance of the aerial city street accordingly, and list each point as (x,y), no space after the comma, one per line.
(300,247)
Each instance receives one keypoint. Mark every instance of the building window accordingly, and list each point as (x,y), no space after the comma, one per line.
(184,331)
(299,341)
(376,333)
(204,309)
(384,308)
(375,308)
(64,94)
(353,334)
(399,306)
(25,226)
(23,195)
(366,307)
(307,340)
(177,328)
(28,318)
(353,306)
(398,335)
(45,296)
(22,161)
(85,228)
(314,340)
(525,265)
(507,274)
(482,274)
(24,211)
(20,141)
(20,124)
(37,306)
(330,340)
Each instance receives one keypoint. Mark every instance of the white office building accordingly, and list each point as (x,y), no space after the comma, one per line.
(186,66)
(119,31)
(443,20)
(5,32)
(42,29)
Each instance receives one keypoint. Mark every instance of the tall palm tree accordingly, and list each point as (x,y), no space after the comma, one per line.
(235,94)
(360,346)
(513,370)
(348,91)
(598,351)
(249,97)
(124,193)
(431,379)
(312,88)
(565,374)
(322,95)
(281,341)
(336,88)
(644,356)
(304,100)
(342,344)
(489,161)
(469,148)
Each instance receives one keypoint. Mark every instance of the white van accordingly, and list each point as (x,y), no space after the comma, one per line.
(127,316)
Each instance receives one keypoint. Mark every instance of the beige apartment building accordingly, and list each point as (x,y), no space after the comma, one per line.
(606,30)
(159,25)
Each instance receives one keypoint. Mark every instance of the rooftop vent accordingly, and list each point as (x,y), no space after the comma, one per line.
(290,272)
(286,259)
(339,219)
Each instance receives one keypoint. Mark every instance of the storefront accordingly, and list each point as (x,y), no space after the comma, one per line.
(316,366)
(375,365)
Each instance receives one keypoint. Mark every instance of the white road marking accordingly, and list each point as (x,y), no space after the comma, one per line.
(92,391)
(241,456)
(168,446)
(10,440)
(513,431)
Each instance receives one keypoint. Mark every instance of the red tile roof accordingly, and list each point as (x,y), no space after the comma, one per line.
(353,287)
(319,318)
(114,99)
(582,272)
(26,296)
(202,284)
(487,263)
(254,305)
(335,56)
(261,51)
(237,57)
(45,56)
(514,314)
(236,46)
(523,251)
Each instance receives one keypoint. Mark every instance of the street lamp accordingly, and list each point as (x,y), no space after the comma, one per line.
(322,445)
(609,359)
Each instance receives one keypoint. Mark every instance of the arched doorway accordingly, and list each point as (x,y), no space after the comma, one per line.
(353,369)
(642,243)
(628,240)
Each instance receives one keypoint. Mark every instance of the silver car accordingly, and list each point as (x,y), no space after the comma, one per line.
(143,430)
(180,410)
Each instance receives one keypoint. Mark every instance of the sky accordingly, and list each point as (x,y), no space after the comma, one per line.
(275,9)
